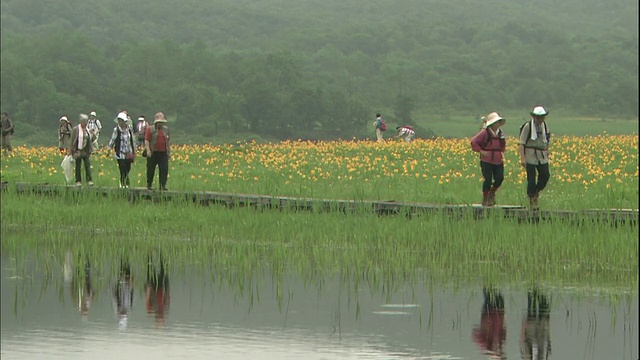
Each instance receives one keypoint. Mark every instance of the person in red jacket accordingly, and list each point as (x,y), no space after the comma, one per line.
(490,143)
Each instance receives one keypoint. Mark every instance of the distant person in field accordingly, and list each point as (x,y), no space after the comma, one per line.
(124,148)
(405,132)
(94,126)
(64,134)
(534,153)
(158,148)
(490,142)
(140,129)
(7,132)
(81,148)
(380,127)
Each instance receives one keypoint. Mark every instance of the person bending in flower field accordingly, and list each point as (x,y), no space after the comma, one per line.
(534,153)
(157,146)
(490,142)
(405,132)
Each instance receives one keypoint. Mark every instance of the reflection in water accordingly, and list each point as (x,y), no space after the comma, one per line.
(157,290)
(490,335)
(123,294)
(535,342)
(82,291)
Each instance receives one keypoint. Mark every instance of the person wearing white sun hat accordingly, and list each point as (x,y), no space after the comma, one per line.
(94,126)
(64,134)
(534,153)
(490,142)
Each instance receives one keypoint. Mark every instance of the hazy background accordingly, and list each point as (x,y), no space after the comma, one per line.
(275,69)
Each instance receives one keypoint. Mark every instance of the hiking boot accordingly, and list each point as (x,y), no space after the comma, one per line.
(78,183)
(485,200)
(533,202)
(163,188)
(149,187)
(491,198)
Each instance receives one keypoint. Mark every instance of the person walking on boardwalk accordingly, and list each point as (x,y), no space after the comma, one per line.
(405,132)
(81,149)
(490,142)
(380,127)
(64,134)
(7,132)
(140,129)
(157,146)
(123,145)
(95,126)
(534,153)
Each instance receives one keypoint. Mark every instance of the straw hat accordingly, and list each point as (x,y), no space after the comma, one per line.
(159,118)
(493,118)
(64,118)
(93,113)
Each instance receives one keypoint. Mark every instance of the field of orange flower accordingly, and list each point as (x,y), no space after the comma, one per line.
(587,172)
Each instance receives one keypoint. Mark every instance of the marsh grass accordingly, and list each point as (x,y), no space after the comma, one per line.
(381,252)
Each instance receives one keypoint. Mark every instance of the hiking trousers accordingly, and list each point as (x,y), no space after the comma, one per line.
(161,160)
(493,175)
(535,184)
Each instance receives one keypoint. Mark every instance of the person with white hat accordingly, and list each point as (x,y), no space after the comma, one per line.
(534,153)
(95,126)
(64,134)
(122,142)
(158,150)
(140,129)
(81,149)
(490,142)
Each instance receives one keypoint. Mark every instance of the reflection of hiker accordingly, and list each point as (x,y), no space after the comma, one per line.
(490,143)
(406,132)
(81,288)
(157,291)
(123,294)
(535,341)
(380,127)
(492,333)
(534,153)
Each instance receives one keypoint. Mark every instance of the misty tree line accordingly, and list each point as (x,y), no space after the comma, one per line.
(325,80)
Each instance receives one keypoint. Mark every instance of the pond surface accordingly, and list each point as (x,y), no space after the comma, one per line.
(91,313)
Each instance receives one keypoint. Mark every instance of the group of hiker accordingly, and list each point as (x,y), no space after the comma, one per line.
(127,140)
(491,143)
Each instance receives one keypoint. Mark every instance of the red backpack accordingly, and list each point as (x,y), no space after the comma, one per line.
(383,125)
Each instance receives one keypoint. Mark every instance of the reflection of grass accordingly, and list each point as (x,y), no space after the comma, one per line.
(361,247)
(587,172)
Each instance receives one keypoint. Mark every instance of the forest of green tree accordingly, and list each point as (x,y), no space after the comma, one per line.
(313,69)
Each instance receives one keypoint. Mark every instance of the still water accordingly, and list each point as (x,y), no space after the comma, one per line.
(123,313)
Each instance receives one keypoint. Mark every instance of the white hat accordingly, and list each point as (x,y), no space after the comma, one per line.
(539,111)
(493,118)
(64,118)
(122,116)
(84,117)
(141,118)
(93,113)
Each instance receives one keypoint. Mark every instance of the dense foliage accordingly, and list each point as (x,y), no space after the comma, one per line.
(312,69)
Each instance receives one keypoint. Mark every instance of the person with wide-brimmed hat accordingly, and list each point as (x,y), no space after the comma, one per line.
(64,134)
(122,142)
(490,142)
(158,149)
(534,153)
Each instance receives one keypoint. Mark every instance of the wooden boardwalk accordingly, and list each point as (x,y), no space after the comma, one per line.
(231,200)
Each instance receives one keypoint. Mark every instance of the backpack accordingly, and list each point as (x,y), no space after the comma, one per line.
(548,134)
(383,125)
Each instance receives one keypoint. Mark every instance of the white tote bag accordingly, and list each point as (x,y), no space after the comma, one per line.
(67,167)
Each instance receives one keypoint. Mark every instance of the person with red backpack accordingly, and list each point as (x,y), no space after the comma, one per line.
(490,142)
(380,127)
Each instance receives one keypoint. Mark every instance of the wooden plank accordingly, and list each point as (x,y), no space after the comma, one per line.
(386,207)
